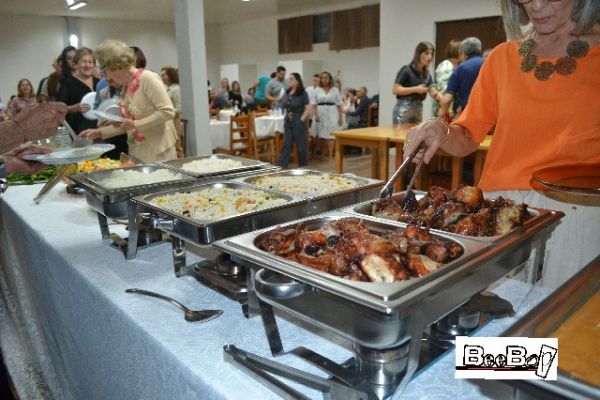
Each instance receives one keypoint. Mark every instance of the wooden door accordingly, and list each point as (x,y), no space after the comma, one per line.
(489,30)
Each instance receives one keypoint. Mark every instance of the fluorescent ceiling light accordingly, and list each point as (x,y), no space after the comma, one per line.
(75,4)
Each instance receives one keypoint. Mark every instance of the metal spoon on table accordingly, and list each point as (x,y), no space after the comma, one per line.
(190,315)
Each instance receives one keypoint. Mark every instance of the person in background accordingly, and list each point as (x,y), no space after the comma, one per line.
(76,86)
(235,95)
(361,110)
(170,77)
(486,53)
(411,86)
(25,98)
(525,91)
(139,59)
(348,106)
(249,101)
(463,78)
(103,93)
(67,62)
(3,112)
(259,94)
(297,109)
(223,93)
(49,89)
(311,90)
(276,86)
(328,110)
(443,72)
(147,110)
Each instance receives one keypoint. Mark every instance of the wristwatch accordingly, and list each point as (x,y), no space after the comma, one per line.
(2,174)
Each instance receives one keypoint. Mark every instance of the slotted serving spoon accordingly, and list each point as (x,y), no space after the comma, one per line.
(190,315)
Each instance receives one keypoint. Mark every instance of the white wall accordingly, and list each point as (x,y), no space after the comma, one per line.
(255,42)
(403,24)
(30,43)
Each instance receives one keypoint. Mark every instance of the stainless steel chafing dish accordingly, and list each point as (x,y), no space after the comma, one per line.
(367,189)
(566,310)
(203,233)
(247,165)
(385,322)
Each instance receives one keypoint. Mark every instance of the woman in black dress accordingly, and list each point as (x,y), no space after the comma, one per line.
(76,86)
(297,109)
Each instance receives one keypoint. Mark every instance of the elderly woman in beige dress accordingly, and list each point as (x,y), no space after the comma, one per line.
(146,107)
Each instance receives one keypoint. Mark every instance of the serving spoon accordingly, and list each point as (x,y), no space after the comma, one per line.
(77,141)
(190,315)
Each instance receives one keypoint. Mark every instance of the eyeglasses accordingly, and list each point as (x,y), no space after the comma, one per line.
(522,2)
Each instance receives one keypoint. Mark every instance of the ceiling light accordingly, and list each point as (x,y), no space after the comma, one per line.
(75,4)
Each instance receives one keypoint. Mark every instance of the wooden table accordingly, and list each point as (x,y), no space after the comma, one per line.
(375,138)
(457,162)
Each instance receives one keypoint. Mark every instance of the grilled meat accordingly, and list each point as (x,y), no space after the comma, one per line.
(464,211)
(346,248)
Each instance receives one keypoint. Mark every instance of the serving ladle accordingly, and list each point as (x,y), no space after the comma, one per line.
(190,315)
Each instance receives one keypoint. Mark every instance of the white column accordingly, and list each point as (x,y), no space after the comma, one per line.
(191,55)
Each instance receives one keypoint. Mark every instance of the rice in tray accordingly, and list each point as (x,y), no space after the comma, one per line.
(209,165)
(215,203)
(124,178)
(306,185)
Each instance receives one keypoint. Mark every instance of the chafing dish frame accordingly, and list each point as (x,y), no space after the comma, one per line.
(367,189)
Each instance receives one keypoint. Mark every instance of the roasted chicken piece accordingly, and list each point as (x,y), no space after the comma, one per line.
(477,224)
(471,196)
(507,215)
(447,214)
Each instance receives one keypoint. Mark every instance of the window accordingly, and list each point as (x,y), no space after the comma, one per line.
(321,28)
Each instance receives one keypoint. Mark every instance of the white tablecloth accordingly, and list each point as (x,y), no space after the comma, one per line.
(68,330)
(265,126)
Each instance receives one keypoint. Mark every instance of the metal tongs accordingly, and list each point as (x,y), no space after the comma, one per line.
(388,189)
(262,368)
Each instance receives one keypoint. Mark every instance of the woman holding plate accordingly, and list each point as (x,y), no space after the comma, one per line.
(538,93)
(147,110)
(76,86)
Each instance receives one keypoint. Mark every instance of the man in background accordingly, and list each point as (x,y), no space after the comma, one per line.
(361,110)
(276,86)
(463,78)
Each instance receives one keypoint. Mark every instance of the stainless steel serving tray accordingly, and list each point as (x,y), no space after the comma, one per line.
(548,316)
(364,210)
(247,164)
(205,232)
(384,315)
(367,189)
(112,202)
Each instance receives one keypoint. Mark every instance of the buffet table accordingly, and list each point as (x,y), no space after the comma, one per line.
(68,329)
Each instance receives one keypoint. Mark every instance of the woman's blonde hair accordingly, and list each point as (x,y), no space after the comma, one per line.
(113,55)
(586,13)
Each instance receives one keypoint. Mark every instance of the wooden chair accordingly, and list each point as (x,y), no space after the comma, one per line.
(241,135)
(263,147)
(372,115)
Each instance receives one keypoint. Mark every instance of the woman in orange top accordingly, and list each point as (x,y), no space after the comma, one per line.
(539,94)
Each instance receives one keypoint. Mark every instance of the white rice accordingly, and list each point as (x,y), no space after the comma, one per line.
(307,185)
(215,203)
(209,165)
(126,178)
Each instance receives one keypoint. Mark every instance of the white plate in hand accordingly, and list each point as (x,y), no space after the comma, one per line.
(109,117)
(89,99)
(68,155)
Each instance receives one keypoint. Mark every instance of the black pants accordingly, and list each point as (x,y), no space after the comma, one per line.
(294,132)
